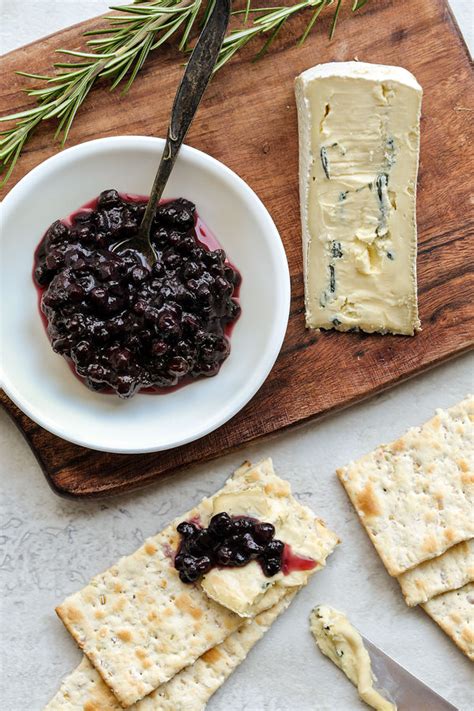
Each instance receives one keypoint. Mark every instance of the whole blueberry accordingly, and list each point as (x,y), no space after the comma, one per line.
(189,574)
(187,529)
(201,543)
(249,545)
(271,566)
(108,198)
(264,532)
(274,549)
(204,564)
(224,556)
(220,525)
(240,558)
(243,524)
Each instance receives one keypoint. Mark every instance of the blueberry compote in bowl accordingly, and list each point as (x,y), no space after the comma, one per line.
(125,325)
(115,299)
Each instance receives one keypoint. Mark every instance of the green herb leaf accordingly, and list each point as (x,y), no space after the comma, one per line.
(334,19)
(121,49)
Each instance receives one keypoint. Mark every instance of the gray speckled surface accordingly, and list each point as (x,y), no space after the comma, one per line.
(50,547)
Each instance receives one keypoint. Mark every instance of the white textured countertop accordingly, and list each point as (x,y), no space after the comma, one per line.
(50,547)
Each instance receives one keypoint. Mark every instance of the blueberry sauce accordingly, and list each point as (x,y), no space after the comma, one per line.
(292,563)
(232,542)
(125,327)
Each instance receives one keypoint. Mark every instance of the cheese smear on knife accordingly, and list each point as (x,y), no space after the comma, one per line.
(359,128)
(341,642)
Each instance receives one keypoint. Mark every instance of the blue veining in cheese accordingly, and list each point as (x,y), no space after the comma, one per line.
(359,146)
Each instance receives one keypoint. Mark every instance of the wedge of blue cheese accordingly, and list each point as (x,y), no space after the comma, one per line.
(359,129)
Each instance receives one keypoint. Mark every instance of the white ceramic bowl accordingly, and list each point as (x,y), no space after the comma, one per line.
(41,383)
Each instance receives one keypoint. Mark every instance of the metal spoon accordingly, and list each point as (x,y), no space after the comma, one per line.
(188,97)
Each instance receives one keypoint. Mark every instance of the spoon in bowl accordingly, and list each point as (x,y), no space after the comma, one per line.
(188,97)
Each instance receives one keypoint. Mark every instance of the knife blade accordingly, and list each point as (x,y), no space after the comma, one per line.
(401,687)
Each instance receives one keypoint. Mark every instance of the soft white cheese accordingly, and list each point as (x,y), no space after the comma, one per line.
(341,642)
(359,146)
(247,590)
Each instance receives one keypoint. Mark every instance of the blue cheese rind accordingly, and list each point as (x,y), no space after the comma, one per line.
(359,147)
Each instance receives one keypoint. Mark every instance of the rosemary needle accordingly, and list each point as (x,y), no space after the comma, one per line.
(119,51)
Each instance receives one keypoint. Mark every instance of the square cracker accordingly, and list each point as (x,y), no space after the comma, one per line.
(139,624)
(415,496)
(449,571)
(453,611)
(189,690)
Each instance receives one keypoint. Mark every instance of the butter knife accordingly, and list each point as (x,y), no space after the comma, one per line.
(401,687)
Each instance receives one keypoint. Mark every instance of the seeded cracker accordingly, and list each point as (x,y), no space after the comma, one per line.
(449,571)
(454,612)
(140,625)
(415,496)
(189,690)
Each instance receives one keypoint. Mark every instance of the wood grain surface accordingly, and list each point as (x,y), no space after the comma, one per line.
(248,121)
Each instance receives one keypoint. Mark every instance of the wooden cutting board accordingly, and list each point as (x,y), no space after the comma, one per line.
(248,121)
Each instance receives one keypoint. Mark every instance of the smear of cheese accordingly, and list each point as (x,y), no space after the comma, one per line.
(340,641)
(247,590)
(359,144)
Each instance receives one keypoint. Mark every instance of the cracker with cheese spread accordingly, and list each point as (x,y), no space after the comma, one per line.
(140,625)
(415,496)
(449,571)
(261,494)
(137,622)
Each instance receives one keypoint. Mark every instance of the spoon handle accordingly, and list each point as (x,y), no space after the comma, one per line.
(188,97)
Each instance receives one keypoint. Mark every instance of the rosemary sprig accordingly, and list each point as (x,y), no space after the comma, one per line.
(120,50)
